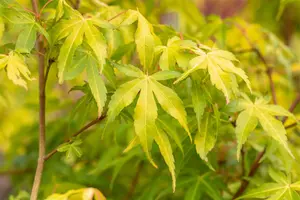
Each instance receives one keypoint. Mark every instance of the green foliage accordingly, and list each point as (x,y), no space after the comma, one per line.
(283,188)
(147,110)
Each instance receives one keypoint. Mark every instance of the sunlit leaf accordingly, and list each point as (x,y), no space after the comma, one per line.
(96,84)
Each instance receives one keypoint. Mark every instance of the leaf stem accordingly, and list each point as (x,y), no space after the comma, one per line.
(114,17)
(49,1)
(92,123)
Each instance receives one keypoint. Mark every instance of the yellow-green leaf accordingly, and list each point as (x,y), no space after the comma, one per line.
(68,49)
(145,114)
(166,151)
(145,42)
(17,69)
(245,123)
(170,102)
(273,127)
(122,97)
(96,41)
(96,84)
(26,39)
(206,137)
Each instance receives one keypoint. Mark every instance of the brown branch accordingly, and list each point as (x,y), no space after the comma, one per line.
(54,151)
(263,60)
(135,181)
(243,161)
(42,105)
(15,171)
(293,106)
(257,163)
(77,4)
(252,172)
(291,125)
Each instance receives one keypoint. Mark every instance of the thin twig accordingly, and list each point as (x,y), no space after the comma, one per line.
(252,172)
(135,181)
(40,13)
(95,121)
(114,17)
(77,4)
(30,11)
(293,106)
(291,125)
(42,106)
(15,171)
(243,161)
(257,163)
(50,61)
(263,60)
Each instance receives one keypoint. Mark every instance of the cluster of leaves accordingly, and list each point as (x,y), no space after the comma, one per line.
(165,92)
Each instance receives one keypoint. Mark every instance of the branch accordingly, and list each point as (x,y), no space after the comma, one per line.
(42,105)
(252,172)
(92,123)
(15,171)
(291,125)
(45,5)
(77,4)
(263,60)
(135,181)
(243,161)
(257,163)
(293,106)
(35,6)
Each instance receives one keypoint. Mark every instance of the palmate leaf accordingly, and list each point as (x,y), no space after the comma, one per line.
(75,29)
(263,113)
(170,53)
(72,150)
(17,71)
(145,113)
(282,189)
(220,68)
(14,14)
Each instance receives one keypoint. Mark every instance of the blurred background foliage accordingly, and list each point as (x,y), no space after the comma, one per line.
(272,26)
